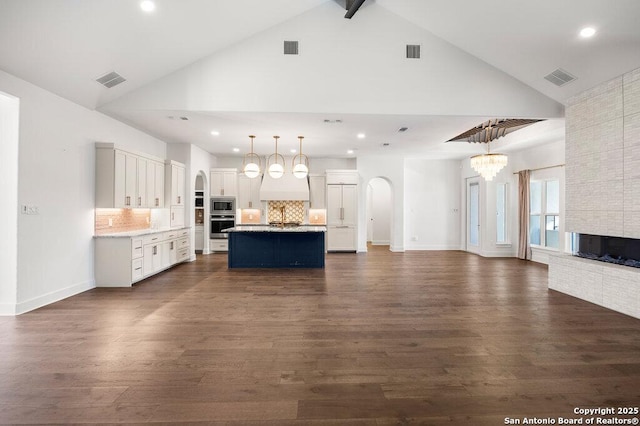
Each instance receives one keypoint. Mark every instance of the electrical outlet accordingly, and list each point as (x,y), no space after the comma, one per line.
(110,222)
(25,209)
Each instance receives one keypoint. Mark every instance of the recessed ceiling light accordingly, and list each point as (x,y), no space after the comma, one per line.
(215,133)
(236,149)
(293,151)
(587,32)
(361,135)
(148,6)
(350,151)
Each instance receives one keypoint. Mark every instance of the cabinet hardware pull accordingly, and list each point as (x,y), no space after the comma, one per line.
(127,200)
(157,201)
(139,201)
(222,191)
(178,199)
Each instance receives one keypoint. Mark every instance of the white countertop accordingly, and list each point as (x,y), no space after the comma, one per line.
(269,228)
(139,232)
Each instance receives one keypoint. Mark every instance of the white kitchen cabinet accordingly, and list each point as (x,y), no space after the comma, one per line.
(224,182)
(342,211)
(249,192)
(199,238)
(152,260)
(124,181)
(121,261)
(317,192)
(176,216)
(175,183)
(155,184)
(342,205)
(122,178)
(141,183)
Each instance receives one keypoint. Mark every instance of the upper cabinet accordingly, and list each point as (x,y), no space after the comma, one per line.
(155,184)
(224,182)
(123,178)
(249,192)
(317,192)
(175,183)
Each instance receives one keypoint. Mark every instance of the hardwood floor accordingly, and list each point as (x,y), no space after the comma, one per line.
(373,339)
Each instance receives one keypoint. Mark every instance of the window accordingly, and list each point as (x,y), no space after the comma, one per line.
(501,210)
(544,213)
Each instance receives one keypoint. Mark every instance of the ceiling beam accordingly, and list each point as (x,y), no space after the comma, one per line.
(352,7)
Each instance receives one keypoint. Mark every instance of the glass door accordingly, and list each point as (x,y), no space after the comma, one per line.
(473,215)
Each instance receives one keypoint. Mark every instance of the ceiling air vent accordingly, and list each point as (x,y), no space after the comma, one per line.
(560,77)
(111,79)
(413,51)
(403,129)
(290,47)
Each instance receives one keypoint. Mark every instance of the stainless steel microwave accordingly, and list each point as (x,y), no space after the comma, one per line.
(223,205)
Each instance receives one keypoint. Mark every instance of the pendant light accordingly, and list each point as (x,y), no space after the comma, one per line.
(251,163)
(276,170)
(300,170)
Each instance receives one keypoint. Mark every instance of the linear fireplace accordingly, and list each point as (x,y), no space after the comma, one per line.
(618,250)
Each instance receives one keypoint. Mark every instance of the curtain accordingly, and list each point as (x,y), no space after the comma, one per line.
(524,250)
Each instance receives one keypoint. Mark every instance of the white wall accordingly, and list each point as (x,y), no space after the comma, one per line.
(56,173)
(254,75)
(392,170)
(432,204)
(9,137)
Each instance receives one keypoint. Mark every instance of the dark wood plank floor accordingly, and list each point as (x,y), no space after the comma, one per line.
(374,339)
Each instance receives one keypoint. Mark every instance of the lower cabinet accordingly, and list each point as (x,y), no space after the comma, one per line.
(122,261)
(341,238)
(219,244)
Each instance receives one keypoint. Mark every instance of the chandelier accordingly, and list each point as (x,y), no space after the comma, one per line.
(251,163)
(488,165)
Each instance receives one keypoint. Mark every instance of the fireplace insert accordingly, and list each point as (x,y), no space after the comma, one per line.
(622,251)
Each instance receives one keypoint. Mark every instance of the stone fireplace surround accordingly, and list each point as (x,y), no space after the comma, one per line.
(602,156)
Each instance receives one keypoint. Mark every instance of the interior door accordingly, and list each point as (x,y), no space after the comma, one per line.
(473,215)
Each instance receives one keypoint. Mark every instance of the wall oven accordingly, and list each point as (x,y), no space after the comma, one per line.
(223,216)
(219,222)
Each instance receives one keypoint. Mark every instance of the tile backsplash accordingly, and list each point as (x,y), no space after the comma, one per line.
(122,220)
(293,211)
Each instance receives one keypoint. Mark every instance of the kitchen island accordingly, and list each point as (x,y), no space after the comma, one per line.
(264,246)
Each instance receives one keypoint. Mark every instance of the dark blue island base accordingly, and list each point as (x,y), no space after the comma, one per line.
(278,249)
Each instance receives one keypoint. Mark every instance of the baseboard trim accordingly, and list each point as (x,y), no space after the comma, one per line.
(54,296)
(7,310)
(434,247)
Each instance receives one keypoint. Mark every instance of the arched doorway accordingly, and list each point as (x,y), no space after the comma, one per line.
(201,212)
(379,212)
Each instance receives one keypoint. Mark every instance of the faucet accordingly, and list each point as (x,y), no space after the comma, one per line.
(282,216)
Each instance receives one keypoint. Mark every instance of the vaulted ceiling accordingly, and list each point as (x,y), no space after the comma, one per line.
(221,65)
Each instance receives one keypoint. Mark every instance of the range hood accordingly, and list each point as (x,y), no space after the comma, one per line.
(288,187)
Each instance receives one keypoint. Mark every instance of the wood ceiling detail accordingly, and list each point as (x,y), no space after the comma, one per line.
(493,129)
